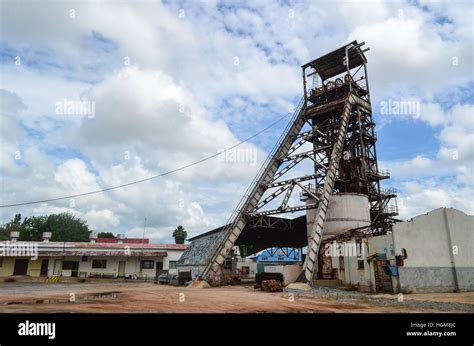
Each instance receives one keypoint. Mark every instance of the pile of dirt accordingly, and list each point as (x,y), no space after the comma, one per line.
(199,284)
(298,286)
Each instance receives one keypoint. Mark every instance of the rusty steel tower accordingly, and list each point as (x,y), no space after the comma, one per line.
(336,77)
(332,130)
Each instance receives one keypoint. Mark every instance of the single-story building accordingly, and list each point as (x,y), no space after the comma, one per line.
(259,234)
(271,257)
(430,253)
(100,258)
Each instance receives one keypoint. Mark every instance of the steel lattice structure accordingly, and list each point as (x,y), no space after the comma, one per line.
(332,128)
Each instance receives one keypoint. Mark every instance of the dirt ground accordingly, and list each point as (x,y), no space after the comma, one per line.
(153,298)
(459,298)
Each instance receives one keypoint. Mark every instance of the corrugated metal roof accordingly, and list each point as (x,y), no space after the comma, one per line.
(201,249)
(332,64)
(291,234)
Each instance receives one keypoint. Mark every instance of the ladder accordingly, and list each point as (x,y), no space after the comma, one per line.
(317,231)
(257,188)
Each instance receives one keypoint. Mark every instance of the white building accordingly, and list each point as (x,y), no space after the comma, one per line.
(430,253)
(100,258)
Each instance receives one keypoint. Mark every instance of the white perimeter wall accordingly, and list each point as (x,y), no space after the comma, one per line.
(439,248)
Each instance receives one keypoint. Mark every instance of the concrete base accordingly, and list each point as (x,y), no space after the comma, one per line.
(327,283)
(290,272)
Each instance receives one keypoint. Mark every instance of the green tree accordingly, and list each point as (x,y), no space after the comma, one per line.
(105,235)
(33,228)
(67,227)
(17,225)
(3,233)
(63,227)
(179,235)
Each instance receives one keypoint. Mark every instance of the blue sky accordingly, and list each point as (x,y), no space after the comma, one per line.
(173,82)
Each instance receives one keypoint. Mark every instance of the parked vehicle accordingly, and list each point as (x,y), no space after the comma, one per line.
(164,278)
(174,280)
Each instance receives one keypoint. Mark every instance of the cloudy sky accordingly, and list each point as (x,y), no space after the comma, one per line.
(173,82)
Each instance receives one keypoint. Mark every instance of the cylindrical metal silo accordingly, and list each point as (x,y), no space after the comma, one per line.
(346,211)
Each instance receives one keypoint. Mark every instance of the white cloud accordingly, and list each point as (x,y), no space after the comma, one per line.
(453,167)
(10,106)
(144,114)
(433,114)
(73,176)
(406,49)
(457,137)
(456,149)
(159,235)
(421,197)
(102,220)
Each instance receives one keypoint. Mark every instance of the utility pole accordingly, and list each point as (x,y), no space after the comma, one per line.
(143,243)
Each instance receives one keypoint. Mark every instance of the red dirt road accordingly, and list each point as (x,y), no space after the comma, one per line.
(151,298)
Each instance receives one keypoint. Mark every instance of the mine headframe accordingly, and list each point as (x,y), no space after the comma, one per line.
(332,133)
(333,77)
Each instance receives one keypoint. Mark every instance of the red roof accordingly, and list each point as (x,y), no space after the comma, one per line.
(125,240)
(131,245)
(136,241)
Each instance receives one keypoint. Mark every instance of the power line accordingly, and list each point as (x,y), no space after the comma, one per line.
(152,177)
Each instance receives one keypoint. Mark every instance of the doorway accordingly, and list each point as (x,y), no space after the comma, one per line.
(121,269)
(21,267)
(58,264)
(75,269)
(325,271)
(44,267)
(159,268)
(383,280)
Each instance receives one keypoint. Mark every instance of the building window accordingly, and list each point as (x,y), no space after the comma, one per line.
(1,262)
(99,264)
(68,265)
(360,264)
(172,265)
(147,264)
(84,259)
